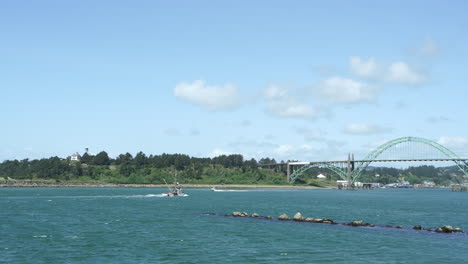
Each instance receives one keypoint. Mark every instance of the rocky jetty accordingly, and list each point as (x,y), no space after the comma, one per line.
(298,217)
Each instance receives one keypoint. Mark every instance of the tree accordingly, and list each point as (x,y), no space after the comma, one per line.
(140,159)
(101,159)
(86,158)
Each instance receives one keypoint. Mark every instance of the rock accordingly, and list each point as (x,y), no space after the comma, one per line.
(244,214)
(298,217)
(359,223)
(284,217)
(308,219)
(318,220)
(444,229)
(255,215)
(417,227)
(447,229)
(236,214)
(269,217)
(398,227)
(458,230)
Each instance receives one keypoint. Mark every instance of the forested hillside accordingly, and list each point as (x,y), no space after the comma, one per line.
(224,169)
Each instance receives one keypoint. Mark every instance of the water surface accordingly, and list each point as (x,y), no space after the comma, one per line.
(128,225)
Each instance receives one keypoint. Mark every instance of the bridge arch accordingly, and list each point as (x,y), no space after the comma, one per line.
(292,178)
(382,148)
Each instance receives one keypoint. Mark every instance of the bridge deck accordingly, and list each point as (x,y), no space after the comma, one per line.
(355,161)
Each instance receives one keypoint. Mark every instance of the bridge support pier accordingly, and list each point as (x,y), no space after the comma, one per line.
(349,171)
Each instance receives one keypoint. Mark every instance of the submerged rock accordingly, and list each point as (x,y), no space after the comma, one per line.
(417,227)
(284,217)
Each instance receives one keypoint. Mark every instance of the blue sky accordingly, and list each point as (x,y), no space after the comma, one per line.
(303,80)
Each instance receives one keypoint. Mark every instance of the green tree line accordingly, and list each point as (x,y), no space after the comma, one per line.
(223,169)
(141,168)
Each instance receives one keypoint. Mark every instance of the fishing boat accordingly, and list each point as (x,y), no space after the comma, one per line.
(175,190)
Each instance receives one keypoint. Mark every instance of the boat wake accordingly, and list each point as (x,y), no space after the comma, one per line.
(224,190)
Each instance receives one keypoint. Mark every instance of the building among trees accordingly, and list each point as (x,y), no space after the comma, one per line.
(75,156)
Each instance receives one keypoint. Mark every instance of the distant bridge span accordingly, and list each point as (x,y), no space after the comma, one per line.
(351,169)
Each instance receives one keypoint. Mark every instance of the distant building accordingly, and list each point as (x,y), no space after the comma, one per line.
(321,176)
(75,156)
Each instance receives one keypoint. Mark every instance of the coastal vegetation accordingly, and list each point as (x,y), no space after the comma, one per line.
(224,169)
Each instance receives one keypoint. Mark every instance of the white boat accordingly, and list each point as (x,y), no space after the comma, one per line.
(176,190)
(216,190)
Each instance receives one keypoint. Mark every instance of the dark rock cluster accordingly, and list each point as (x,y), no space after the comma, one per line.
(357,223)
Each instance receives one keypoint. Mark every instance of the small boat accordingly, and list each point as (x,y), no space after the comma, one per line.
(176,190)
(216,190)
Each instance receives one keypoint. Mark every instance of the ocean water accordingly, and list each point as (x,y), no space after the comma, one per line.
(134,225)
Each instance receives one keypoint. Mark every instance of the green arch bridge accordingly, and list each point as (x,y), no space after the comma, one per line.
(351,170)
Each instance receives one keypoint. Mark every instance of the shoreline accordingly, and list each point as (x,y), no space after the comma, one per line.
(53,184)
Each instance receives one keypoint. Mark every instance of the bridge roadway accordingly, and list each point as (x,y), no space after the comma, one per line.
(356,161)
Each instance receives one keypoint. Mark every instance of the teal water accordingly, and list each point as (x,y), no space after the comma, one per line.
(122,225)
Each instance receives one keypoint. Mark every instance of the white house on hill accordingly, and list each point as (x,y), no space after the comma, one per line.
(75,156)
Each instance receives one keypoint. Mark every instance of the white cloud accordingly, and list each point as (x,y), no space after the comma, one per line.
(401,72)
(363,129)
(362,68)
(343,90)
(453,142)
(292,109)
(275,91)
(209,97)
(397,72)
